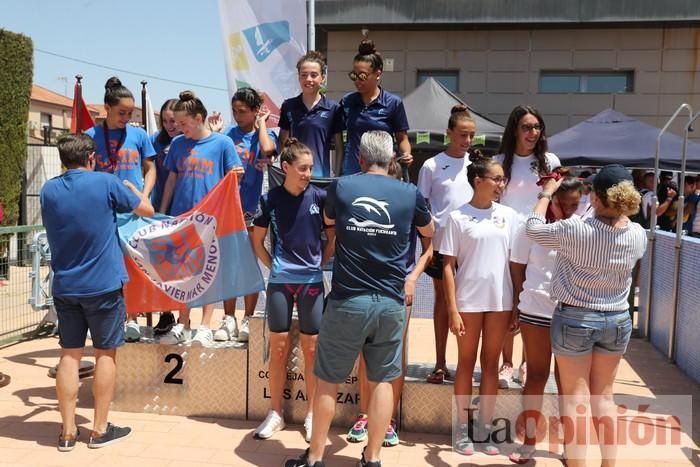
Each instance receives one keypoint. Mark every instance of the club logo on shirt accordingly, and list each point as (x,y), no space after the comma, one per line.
(381,112)
(181,255)
(371,216)
(446,167)
(313,209)
(498,221)
(323,114)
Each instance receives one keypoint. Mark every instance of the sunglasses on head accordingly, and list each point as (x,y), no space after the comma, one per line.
(530,127)
(362,76)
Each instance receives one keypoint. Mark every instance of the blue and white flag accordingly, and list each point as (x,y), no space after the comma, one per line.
(263,40)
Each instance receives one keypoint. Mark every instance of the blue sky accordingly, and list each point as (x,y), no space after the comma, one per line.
(174,39)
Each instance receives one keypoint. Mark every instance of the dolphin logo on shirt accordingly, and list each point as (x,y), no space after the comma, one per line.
(372,206)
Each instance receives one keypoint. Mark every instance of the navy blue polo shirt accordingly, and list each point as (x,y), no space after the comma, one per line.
(375,218)
(385,113)
(314,127)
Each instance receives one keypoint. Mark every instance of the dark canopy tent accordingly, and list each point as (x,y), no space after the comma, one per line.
(428,110)
(613,137)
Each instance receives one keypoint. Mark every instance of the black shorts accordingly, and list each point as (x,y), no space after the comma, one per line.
(280,303)
(434,267)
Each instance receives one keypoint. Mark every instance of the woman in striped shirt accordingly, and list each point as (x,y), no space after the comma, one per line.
(591,326)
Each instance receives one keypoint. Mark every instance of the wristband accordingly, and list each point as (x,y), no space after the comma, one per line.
(544,194)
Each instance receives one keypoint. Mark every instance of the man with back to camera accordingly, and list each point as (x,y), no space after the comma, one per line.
(79,210)
(374,216)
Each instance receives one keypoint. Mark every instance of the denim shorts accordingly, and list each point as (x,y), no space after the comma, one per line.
(579,331)
(103,315)
(370,323)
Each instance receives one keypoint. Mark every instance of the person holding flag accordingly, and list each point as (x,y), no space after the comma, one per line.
(255,146)
(197,161)
(311,117)
(124,150)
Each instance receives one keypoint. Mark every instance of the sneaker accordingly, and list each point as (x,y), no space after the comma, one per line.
(308,424)
(271,425)
(364,463)
(132,332)
(165,324)
(391,437)
(177,335)
(303,461)
(228,329)
(463,443)
(244,330)
(68,443)
(358,432)
(505,376)
(111,435)
(484,441)
(203,337)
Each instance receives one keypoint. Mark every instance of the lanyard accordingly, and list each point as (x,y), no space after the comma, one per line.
(108,147)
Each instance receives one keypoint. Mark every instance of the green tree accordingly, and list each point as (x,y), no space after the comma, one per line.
(16,67)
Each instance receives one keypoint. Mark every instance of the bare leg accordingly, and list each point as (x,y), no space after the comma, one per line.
(207,312)
(230,307)
(308,346)
(363,384)
(324,410)
(467,346)
(279,350)
(539,351)
(250,301)
(603,371)
(397,384)
(67,384)
(381,405)
(441,325)
(103,386)
(495,327)
(574,373)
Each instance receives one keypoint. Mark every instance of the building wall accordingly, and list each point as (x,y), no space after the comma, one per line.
(500,68)
(60,117)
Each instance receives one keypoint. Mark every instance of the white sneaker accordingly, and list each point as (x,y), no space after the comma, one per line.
(271,425)
(228,329)
(203,337)
(177,335)
(244,330)
(132,332)
(307,428)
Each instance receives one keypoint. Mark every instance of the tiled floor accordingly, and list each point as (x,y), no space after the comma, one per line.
(29,421)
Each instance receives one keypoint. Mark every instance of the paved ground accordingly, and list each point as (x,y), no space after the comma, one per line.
(29,421)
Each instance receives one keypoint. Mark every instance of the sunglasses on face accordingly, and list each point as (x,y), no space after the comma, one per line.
(362,76)
(527,127)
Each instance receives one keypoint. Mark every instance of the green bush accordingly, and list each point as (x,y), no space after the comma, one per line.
(16,68)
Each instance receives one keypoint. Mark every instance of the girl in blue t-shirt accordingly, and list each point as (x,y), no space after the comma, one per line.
(294,212)
(126,151)
(197,161)
(120,148)
(161,143)
(255,145)
(311,117)
(371,108)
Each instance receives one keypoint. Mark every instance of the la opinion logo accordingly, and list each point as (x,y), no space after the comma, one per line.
(180,256)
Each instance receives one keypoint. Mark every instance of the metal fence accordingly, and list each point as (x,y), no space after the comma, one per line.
(18,319)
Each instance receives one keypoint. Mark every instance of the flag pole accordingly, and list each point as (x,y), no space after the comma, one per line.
(78,95)
(143,104)
(311,33)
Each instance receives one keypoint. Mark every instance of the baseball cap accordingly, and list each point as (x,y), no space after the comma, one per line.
(609,176)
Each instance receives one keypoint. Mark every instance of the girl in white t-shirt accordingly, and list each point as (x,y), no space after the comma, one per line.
(476,246)
(442,180)
(523,154)
(531,267)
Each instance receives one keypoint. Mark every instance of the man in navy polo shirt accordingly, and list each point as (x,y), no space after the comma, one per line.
(374,215)
(79,211)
